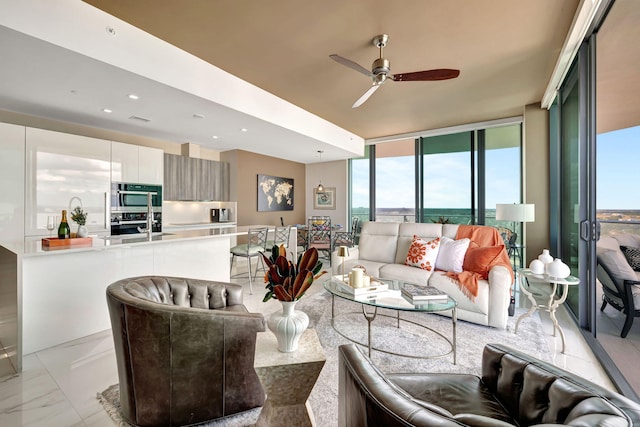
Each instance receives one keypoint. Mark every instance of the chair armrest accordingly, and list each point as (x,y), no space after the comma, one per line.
(499,294)
(628,294)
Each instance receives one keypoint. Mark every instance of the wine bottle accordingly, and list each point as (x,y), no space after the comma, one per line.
(64,232)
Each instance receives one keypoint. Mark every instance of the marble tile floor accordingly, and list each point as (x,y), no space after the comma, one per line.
(58,385)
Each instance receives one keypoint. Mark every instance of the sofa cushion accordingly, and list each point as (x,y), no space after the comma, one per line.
(406,273)
(615,262)
(372,268)
(379,242)
(423,253)
(627,239)
(451,254)
(455,393)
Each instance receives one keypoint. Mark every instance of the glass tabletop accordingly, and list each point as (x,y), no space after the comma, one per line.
(390,298)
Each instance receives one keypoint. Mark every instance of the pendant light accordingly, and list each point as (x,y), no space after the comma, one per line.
(320,186)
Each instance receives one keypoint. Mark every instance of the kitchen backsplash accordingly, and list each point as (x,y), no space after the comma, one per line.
(181,213)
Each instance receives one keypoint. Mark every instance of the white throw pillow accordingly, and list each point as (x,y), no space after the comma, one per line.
(423,254)
(451,254)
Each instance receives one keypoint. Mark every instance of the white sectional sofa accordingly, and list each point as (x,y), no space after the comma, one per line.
(382,250)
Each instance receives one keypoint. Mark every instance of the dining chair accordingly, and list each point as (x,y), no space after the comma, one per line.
(256,243)
(320,234)
(280,237)
(347,238)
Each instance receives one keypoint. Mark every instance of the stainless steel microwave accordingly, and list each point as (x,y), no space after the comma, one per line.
(129,197)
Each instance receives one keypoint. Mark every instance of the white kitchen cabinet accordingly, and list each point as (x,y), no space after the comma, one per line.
(12,184)
(124,162)
(133,163)
(150,165)
(59,167)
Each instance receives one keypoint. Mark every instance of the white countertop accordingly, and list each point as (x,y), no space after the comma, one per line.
(34,247)
(170,227)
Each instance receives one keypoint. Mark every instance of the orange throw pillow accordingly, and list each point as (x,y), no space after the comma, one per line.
(481,259)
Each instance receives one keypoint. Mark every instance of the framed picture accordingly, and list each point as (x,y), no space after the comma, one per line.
(275,193)
(325,199)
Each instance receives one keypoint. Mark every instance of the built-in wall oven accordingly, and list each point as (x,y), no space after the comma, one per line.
(130,207)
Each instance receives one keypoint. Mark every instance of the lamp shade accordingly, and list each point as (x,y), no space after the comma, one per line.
(517,212)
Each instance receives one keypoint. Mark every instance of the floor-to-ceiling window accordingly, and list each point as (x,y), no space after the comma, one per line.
(617,112)
(359,186)
(598,141)
(456,177)
(570,183)
(447,171)
(503,171)
(395,181)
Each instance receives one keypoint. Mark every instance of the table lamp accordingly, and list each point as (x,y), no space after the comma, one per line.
(343,251)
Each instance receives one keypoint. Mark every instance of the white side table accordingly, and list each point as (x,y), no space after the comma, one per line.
(554,301)
(288,379)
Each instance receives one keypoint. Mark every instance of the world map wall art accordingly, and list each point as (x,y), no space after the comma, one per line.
(274,193)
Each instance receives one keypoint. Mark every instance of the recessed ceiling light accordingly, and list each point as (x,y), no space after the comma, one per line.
(106,110)
(215,137)
(243,130)
(133,96)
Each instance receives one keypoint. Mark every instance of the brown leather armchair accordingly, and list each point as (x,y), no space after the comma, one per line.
(514,390)
(184,349)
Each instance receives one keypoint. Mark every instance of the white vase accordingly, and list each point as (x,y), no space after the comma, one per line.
(288,326)
(82,231)
(558,269)
(536,266)
(545,257)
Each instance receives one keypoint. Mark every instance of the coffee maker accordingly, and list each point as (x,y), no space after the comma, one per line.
(220,214)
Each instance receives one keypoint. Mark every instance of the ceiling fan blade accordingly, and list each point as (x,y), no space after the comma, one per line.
(349,63)
(366,96)
(428,75)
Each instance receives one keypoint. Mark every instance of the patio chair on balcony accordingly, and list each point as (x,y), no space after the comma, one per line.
(620,282)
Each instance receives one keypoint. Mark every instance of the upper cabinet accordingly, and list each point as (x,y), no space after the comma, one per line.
(133,163)
(64,171)
(188,179)
(12,184)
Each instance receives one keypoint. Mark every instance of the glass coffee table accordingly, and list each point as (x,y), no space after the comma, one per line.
(393,300)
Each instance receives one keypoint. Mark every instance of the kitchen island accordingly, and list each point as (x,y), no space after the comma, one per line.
(60,294)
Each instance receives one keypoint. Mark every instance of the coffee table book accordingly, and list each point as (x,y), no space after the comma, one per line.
(375,288)
(416,294)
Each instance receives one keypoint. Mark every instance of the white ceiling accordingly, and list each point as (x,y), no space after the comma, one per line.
(505,50)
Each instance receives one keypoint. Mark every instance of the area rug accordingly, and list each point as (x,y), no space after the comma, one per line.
(408,339)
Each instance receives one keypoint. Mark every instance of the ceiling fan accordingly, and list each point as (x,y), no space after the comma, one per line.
(380,71)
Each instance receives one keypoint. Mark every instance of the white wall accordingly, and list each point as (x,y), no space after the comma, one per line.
(332,174)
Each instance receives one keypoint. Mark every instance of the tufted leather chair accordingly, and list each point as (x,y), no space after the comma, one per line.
(184,349)
(514,390)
